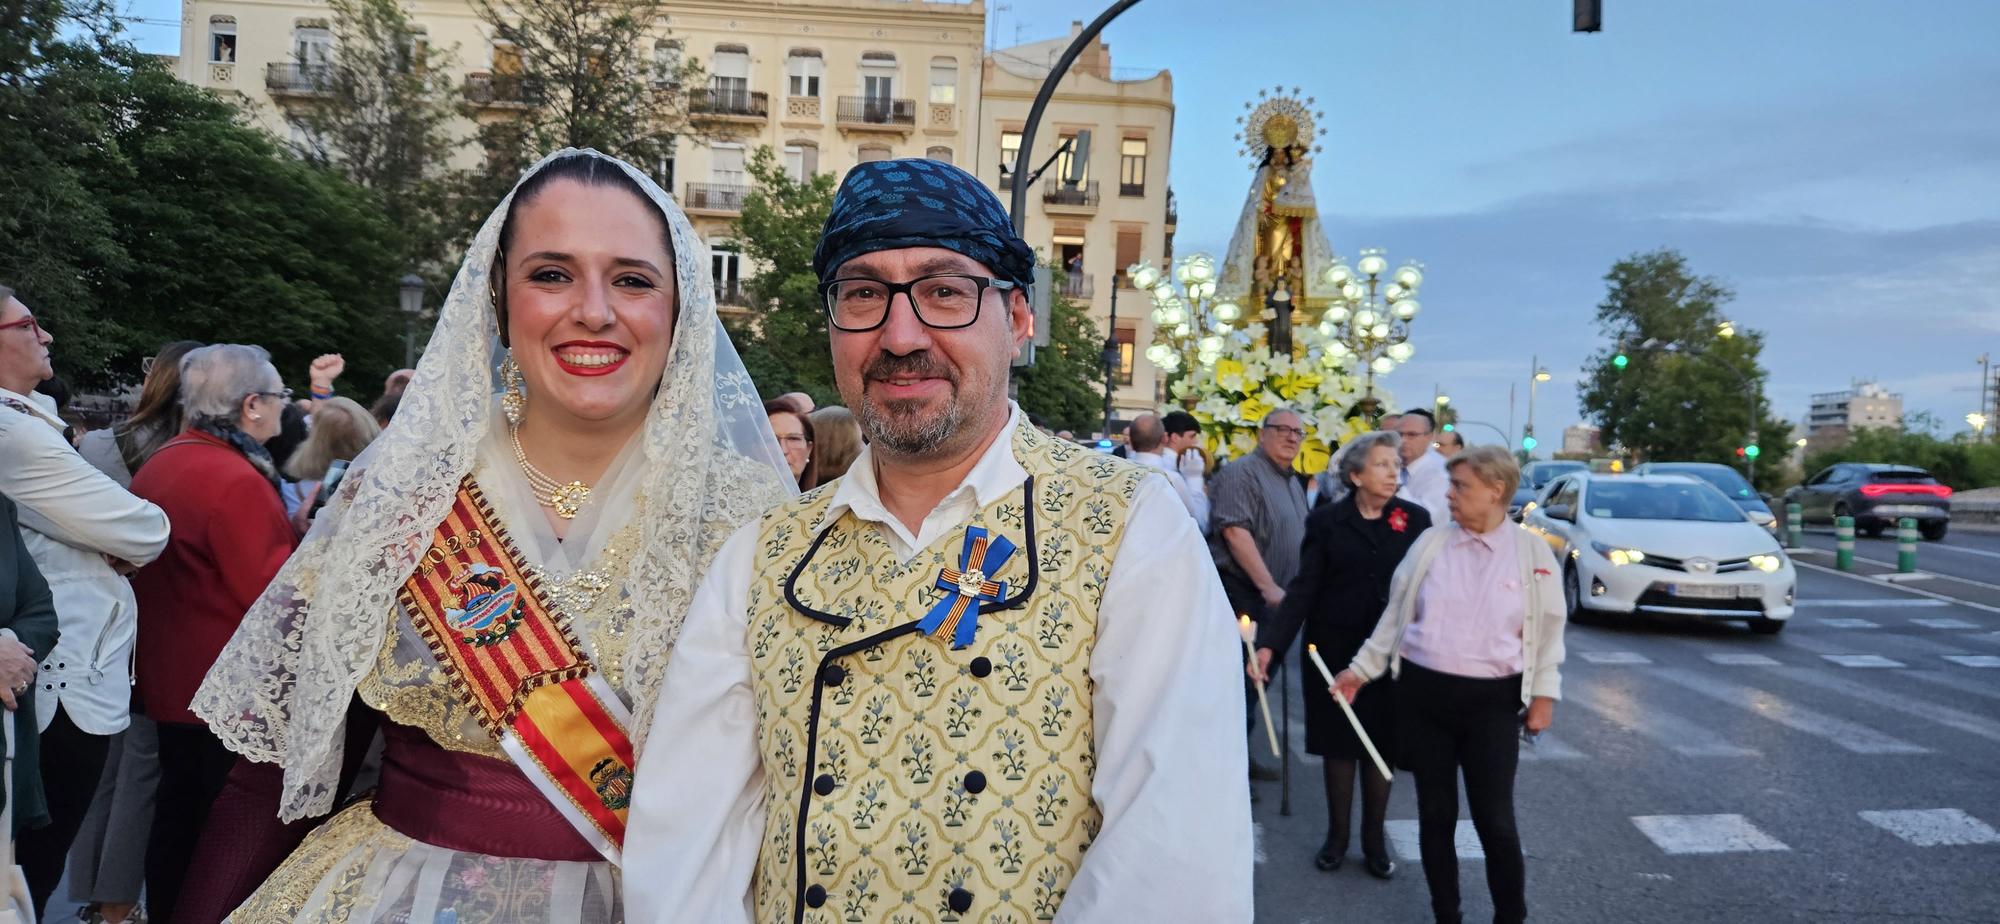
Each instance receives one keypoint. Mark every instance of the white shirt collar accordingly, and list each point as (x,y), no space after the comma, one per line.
(996,473)
(41,404)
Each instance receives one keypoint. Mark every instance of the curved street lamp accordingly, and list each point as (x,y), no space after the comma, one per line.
(1368,324)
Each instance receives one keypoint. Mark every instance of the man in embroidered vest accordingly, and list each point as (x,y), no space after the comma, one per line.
(983,677)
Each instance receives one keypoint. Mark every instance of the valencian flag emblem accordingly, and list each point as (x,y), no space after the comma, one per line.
(967,586)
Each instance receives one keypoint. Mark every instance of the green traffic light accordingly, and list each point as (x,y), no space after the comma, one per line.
(1621,361)
(1751,450)
(1450,427)
(1529,443)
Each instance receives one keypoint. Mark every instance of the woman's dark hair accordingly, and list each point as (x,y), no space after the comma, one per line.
(159,417)
(291,433)
(588,169)
(808,476)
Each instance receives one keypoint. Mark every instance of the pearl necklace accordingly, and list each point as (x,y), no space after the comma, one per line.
(564,499)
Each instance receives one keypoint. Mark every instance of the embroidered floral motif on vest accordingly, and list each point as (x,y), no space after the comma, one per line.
(908,782)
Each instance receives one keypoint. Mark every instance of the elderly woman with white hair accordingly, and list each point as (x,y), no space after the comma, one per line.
(219,487)
(1473,634)
(1352,547)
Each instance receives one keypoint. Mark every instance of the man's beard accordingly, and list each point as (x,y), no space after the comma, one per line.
(896,425)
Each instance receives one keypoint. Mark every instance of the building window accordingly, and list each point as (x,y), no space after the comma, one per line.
(1068,158)
(878,77)
(726,267)
(944,81)
(874,152)
(415,49)
(729,88)
(506,59)
(668,58)
(1132,167)
(725,164)
(803,70)
(1130,246)
(222,39)
(663,172)
(1010,153)
(1126,338)
(940,154)
(801,161)
(312,45)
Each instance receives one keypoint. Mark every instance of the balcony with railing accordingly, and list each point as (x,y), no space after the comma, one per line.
(879,113)
(292,79)
(501,91)
(731,105)
(1133,190)
(1072,197)
(1173,210)
(730,294)
(716,198)
(1078,286)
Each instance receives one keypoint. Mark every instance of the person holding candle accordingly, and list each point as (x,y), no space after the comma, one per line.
(1473,633)
(1352,546)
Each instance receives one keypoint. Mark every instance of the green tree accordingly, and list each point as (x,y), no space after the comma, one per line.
(1064,389)
(172,219)
(382,118)
(784,341)
(1695,400)
(1960,463)
(592,77)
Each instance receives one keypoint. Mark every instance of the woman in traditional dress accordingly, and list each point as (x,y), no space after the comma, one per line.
(502,574)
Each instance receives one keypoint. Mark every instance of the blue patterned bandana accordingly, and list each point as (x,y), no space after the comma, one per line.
(892,204)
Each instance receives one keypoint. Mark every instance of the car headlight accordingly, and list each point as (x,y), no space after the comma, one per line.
(1767,563)
(1763,518)
(1619,556)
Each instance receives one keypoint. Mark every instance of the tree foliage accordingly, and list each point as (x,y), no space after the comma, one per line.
(784,344)
(1064,389)
(1963,465)
(140,210)
(1693,402)
(382,118)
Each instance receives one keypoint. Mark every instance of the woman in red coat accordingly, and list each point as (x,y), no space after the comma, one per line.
(230,536)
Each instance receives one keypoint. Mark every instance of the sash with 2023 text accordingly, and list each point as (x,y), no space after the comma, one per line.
(512,658)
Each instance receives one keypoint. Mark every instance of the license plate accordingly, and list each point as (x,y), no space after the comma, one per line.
(1901,509)
(1713,591)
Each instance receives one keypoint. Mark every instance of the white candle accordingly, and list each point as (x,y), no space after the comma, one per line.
(1352,719)
(1249,631)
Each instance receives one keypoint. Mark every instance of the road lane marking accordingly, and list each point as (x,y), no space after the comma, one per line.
(1974,660)
(1939,546)
(1956,681)
(1945,827)
(1614,657)
(1257,842)
(1699,834)
(1918,591)
(1741,659)
(1846,622)
(1850,736)
(1685,737)
(1871,604)
(1896,702)
(1404,839)
(1550,748)
(1863,660)
(1945,623)
(1895,643)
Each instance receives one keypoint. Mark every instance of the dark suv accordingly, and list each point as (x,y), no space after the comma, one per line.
(1876,496)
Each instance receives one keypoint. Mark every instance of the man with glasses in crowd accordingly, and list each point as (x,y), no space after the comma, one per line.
(1257,522)
(984,675)
(1424,476)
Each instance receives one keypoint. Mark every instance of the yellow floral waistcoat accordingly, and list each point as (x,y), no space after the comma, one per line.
(907,782)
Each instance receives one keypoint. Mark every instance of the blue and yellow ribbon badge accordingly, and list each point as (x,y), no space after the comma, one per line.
(966,586)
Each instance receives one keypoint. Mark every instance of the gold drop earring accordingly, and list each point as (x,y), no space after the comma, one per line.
(514,400)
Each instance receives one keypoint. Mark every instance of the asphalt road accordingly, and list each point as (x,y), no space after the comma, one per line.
(1843,770)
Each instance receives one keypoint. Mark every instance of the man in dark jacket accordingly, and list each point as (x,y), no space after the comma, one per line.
(27,634)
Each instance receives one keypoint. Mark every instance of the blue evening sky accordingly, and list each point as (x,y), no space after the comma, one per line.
(1835,162)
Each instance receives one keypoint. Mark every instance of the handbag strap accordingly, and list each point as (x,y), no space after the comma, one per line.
(7,770)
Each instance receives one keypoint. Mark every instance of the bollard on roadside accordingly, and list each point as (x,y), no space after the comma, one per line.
(1906,545)
(1843,543)
(1795,526)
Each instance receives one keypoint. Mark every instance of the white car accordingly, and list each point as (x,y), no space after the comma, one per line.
(1663,544)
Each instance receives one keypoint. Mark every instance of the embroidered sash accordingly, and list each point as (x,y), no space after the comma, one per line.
(511,657)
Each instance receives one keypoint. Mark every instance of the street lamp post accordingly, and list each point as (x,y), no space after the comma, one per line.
(1110,358)
(1536,375)
(1750,449)
(412,287)
(1368,322)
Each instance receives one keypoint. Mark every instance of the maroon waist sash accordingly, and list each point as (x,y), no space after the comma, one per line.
(469,803)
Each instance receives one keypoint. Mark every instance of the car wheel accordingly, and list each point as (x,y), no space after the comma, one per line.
(1839,510)
(1871,528)
(1934,531)
(1573,594)
(1763,626)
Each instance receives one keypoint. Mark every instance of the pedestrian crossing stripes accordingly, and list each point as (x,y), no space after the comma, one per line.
(1862,660)
(1741,659)
(1851,736)
(1945,827)
(1892,603)
(1548,747)
(1923,709)
(1974,660)
(1945,623)
(1849,623)
(1683,736)
(1699,834)
(1403,839)
(1614,657)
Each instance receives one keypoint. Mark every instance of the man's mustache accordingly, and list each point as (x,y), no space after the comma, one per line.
(918,365)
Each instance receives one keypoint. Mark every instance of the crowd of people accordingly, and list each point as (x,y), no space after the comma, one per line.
(278,658)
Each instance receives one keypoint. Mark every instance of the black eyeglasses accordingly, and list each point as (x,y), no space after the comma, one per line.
(946,301)
(1282,430)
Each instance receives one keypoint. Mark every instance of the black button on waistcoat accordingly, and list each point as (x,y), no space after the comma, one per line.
(815,896)
(833,675)
(960,900)
(824,784)
(975,782)
(981,667)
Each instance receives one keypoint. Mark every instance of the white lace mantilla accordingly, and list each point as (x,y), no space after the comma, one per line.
(280,690)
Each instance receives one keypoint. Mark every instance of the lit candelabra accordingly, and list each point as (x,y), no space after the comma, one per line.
(1367,327)
(1188,320)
